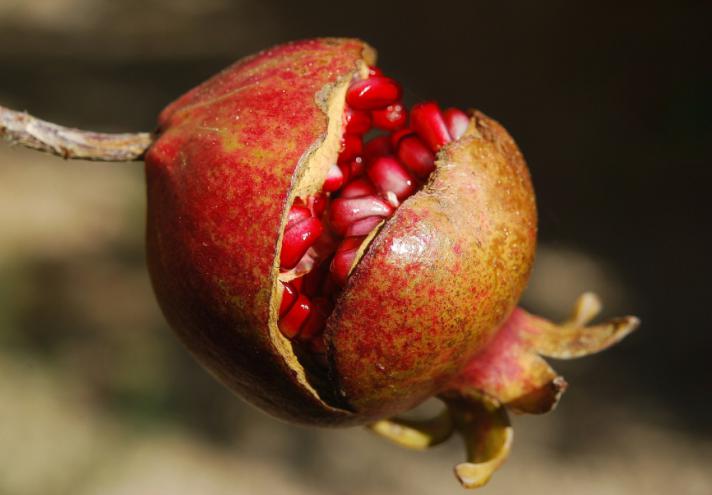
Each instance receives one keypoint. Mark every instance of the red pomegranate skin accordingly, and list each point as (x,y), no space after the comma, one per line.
(217,183)
(430,292)
(439,278)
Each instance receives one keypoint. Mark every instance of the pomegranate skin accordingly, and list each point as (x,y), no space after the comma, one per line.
(218,178)
(440,277)
(430,292)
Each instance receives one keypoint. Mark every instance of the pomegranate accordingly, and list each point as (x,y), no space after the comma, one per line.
(337,258)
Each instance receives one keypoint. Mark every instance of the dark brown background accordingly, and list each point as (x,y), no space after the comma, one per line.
(611,104)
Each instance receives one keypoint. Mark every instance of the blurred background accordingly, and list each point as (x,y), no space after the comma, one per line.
(611,104)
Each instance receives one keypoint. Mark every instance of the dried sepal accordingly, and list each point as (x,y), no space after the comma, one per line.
(482,423)
(416,434)
(488,437)
(508,374)
(573,338)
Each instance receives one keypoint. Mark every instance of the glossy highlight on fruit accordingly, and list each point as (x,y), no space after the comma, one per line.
(336,257)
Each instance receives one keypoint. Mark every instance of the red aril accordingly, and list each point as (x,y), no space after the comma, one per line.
(292,322)
(427,121)
(344,258)
(316,204)
(363,226)
(297,213)
(314,326)
(297,239)
(416,156)
(388,174)
(378,146)
(345,211)
(357,188)
(373,93)
(391,118)
(334,179)
(357,121)
(357,167)
(351,147)
(289,295)
(399,135)
(456,122)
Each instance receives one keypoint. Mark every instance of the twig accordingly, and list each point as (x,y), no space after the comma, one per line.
(22,128)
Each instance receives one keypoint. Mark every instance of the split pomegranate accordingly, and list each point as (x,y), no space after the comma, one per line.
(337,258)
(358,199)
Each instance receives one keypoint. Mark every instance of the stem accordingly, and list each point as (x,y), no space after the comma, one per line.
(22,128)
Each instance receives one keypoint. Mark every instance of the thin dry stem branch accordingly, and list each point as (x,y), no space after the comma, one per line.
(22,128)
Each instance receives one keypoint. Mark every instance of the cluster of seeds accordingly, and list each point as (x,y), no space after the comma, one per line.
(370,180)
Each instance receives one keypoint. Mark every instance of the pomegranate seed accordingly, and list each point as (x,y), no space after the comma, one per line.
(289,295)
(456,121)
(363,227)
(377,146)
(345,211)
(349,243)
(314,326)
(416,156)
(374,71)
(357,188)
(292,322)
(389,175)
(392,199)
(399,135)
(297,240)
(351,147)
(344,259)
(357,167)
(357,121)
(345,171)
(427,121)
(373,93)
(317,204)
(296,214)
(390,118)
(323,247)
(334,179)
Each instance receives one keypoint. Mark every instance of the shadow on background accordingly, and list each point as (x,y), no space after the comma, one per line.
(611,107)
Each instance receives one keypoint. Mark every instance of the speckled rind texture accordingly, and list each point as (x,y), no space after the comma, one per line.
(440,277)
(218,179)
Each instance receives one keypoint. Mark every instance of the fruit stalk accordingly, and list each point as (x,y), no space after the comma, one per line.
(66,142)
